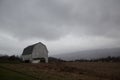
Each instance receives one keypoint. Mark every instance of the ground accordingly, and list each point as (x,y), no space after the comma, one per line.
(61,71)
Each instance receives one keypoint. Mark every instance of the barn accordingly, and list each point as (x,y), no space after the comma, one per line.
(35,53)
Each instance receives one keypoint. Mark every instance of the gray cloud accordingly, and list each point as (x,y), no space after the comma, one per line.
(51,20)
(54,19)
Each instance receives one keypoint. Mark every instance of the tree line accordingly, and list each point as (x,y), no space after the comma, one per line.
(105,59)
(17,59)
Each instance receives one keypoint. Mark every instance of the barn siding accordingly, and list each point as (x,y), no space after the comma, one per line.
(27,57)
(40,51)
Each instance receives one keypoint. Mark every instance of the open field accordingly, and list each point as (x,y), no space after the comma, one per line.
(61,71)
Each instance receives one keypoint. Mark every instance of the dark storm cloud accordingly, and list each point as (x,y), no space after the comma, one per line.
(51,19)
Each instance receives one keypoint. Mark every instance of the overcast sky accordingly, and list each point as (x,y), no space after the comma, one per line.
(63,25)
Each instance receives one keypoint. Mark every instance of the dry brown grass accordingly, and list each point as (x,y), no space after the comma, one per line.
(70,70)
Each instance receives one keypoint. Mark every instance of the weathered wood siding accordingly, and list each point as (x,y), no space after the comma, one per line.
(40,51)
(27,57)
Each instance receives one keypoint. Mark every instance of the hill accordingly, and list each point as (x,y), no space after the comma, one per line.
(90,54)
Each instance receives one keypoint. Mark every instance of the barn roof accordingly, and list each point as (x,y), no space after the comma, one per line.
(29,49)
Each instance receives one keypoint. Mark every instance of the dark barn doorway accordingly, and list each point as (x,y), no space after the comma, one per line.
(27,61)
(42,60)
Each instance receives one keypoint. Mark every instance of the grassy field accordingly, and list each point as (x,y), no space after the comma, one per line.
(61,71)
(11,75)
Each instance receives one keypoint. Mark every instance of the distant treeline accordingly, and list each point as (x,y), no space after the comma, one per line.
(7,59)
(17,59)
(106,59)
(53,59)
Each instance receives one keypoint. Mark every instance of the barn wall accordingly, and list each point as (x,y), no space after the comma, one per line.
(40,51)
(27,57)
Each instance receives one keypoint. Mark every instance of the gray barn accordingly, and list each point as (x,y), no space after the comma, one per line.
(35,53)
